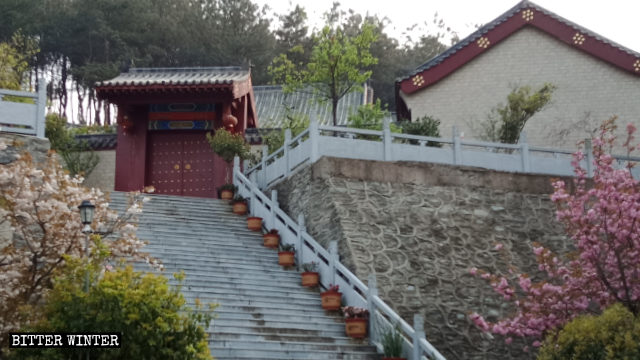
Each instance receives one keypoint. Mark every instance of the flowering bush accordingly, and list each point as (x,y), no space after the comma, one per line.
(40,206)
(354,312)
(602,218)
(333,288)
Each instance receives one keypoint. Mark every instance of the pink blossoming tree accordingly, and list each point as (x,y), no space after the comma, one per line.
(602,218)
(39,206)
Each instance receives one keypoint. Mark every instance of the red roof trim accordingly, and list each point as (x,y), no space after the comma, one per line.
(541,21)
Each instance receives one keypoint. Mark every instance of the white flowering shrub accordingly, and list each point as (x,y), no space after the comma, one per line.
(41,207)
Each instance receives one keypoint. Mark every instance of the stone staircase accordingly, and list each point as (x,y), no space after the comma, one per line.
(264,312)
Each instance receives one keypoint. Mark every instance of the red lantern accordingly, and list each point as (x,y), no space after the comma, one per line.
(230,122)
(125,123)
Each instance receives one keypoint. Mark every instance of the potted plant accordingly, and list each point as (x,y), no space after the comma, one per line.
(332,298)
(310,274)
(239,205)
(286,255)
(392,341)
(355,321)
(254,223)
(271,239)
(226,191)
(227,145)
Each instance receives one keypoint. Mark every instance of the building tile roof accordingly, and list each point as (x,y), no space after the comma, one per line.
(100,141)
(525,13)
(273,106)
(178,76)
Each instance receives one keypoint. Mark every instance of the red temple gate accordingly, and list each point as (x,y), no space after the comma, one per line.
(163,118)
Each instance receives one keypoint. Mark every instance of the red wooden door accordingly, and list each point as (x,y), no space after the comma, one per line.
(180,163)
(197,160)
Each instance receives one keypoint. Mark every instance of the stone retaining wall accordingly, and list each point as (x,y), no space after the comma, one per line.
(420,227)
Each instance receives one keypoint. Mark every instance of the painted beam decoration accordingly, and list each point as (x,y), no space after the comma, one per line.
(181,116)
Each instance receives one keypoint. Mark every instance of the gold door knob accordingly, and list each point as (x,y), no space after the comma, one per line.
(188,166)
(176,167)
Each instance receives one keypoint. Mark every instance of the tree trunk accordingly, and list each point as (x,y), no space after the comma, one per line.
(334,111)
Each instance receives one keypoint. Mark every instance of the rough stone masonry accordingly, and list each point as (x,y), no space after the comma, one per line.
(422,236)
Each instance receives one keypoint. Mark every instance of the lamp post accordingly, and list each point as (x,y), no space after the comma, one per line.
(86,216)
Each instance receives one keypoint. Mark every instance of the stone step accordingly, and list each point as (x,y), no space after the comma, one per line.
(256,354)
(272,315)
(263,312)
(296,338)
(286,324)
(291,346)
(247,282)
(257,329)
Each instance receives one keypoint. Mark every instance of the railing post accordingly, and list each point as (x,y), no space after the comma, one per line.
(236,168)
(263,167)
(274,204)
(314,138)
(418,335)
(457,148)
(372,284)
(299,246)
(386,140)
(41,103)
(524,152)
(287,142)
(588,149)
(333,259)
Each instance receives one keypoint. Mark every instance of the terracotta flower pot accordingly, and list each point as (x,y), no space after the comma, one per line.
(226,194)
(310,278)
(254,223)
(271,240)
(331,300)
(286,258)
(240,208)
(356,327)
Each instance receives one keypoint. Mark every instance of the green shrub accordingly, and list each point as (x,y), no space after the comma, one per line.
(392,341)
(150,315)
(425,126)
(613,335)
(228,145)
(296,122)
(370,117)
(78,157)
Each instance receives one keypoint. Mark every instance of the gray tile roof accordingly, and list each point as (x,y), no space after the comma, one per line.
(500,19)
(100,141)
(272,104)
(178,76)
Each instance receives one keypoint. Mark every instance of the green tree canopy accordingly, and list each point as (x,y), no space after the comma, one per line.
(339,64)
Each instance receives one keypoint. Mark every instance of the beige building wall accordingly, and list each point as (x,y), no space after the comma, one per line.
(103,176)
(589,90)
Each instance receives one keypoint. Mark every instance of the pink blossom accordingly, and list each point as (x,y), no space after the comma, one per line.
(602,219)
(498,247)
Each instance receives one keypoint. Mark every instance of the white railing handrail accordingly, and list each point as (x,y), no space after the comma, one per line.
(355,292)
(24,118)
(311,144)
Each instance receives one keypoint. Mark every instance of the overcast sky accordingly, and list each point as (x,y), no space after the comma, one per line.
(616,20)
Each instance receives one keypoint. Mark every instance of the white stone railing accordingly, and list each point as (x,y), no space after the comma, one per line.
(332,272)
(23,118)
(352,143)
